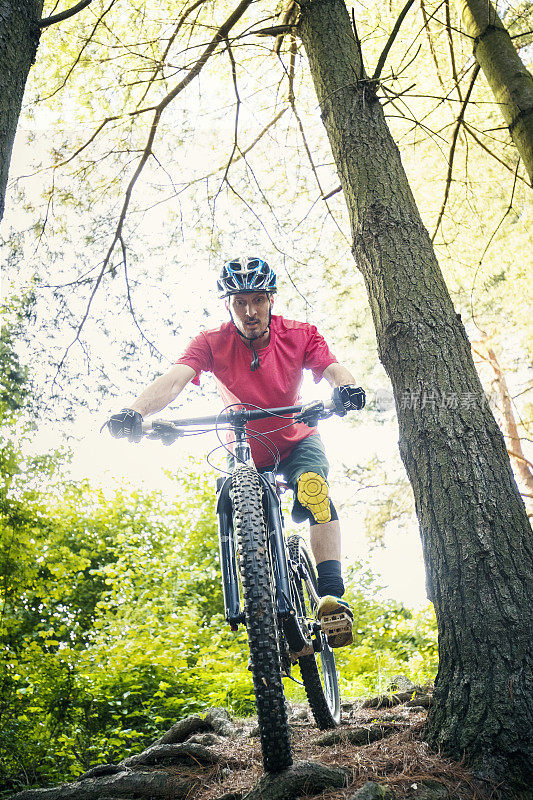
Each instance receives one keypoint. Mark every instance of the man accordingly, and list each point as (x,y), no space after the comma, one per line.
(258,359)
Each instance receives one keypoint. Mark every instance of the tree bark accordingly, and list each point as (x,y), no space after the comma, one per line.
(474,528)
(510,81)
(19,39)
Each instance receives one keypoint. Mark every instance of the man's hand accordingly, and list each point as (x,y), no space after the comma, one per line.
(127,423)
(348,398)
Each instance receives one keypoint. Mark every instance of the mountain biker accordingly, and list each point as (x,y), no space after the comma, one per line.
(258,358)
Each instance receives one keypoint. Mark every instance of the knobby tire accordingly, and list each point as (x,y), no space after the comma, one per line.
(322,690)
(261,618)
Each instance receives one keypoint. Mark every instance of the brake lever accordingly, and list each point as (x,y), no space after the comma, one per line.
(166,431)
(311,413)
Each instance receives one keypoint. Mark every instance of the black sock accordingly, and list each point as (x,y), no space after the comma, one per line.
(330,578)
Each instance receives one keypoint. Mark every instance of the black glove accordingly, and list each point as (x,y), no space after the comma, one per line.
(348,398)
(127,423)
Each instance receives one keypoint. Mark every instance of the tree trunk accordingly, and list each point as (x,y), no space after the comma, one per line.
(473,524)
(19,39)
(510,81)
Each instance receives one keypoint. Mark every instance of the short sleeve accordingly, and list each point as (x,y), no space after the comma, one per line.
(317,355)
(198,356)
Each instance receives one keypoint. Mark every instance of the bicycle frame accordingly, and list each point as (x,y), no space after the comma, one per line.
(237,420)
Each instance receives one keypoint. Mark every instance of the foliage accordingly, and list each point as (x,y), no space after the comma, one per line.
(111,624)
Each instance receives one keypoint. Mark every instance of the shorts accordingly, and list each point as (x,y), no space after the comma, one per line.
(308,455)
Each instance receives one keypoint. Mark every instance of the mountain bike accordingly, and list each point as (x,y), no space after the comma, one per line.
(269,583)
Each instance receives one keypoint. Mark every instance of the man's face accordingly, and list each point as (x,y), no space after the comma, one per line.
(251,312)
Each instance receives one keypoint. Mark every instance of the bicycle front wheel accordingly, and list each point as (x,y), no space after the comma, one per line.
(261,618)
(321,682)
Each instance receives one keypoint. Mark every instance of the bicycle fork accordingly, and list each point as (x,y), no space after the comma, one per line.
(297,641)
(228,555)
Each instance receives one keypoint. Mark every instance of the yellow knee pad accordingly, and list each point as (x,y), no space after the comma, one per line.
(313,494)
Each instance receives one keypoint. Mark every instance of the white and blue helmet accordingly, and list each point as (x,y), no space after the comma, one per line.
(246,274)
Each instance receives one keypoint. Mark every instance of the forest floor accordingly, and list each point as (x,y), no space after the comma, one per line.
(377,753)
(399,761)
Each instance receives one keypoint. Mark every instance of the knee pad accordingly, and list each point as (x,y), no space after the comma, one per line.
(313,494)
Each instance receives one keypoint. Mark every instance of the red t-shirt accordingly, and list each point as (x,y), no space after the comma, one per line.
(293,347)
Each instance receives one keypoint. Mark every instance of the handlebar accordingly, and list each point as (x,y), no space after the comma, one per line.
(308,413)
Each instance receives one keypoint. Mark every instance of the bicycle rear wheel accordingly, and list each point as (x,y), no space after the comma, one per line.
(261,618)
(321,683)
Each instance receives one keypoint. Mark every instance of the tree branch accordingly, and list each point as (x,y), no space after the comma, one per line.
(219,36)
(523,465)
(491,153)
(275,30)
(289,18)
(451,50)
(236,124)
(390,41)
(426,19)
(86,43)
(130,303)
(453,145)
(170,42)
(69,12)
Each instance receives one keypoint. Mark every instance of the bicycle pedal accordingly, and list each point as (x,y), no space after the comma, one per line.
(333,624)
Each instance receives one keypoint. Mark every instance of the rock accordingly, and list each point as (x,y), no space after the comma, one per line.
(401,683)
(254,732)
(172,754)
(299,715)
(415,709)
(183,729)
(387,701)
(220,721)
(414,698)
(427,790)
(303,777)
(372,791)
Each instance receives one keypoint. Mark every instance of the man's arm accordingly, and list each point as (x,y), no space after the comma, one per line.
(163,390)
(346,395)
(337,375)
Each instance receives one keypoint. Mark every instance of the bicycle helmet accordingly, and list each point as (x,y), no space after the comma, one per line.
(246,274)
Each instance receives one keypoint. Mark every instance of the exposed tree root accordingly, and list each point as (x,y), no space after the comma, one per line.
(183,729)
(172,754)
(123,785)
(303,777)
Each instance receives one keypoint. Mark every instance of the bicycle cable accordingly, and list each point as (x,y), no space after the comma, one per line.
(257,436)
